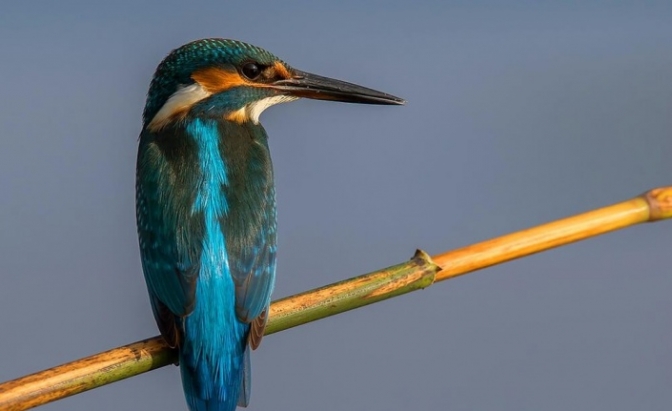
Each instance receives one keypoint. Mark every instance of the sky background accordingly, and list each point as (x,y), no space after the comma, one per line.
(518,113)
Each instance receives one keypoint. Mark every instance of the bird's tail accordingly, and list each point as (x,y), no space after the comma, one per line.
(213,385)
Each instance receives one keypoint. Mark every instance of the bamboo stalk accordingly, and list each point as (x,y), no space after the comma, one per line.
(420,272)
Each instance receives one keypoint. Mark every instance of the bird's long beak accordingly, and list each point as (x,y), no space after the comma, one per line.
(324,88)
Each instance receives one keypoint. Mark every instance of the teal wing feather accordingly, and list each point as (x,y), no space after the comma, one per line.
(251,223)
(254,276)
(169,263)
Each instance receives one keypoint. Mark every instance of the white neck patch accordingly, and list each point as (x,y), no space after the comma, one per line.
(255,109)
(252,111)
(180,101)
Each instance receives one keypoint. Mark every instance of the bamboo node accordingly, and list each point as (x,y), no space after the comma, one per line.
(424,260)
(660,203)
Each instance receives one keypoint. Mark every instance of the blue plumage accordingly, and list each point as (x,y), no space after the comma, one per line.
(205,204)
(212,352)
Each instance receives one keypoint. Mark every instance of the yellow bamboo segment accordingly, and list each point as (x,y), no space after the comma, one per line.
(540,238)
(123,362)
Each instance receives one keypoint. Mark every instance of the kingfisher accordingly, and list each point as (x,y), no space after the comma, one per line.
(205,205)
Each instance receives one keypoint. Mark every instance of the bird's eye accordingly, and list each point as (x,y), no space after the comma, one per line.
(251,71)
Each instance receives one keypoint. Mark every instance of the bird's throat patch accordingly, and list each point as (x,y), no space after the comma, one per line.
(252,111)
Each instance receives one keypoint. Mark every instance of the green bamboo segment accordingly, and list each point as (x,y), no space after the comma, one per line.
(420,272)
(356,292)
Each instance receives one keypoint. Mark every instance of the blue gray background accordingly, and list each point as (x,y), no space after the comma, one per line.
(518,113)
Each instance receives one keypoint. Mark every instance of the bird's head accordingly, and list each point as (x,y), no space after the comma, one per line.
(236,81)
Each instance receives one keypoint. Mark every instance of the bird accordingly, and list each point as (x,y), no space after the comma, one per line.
(206,208)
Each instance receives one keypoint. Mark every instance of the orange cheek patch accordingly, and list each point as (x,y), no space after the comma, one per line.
(281,70)
(216,80)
